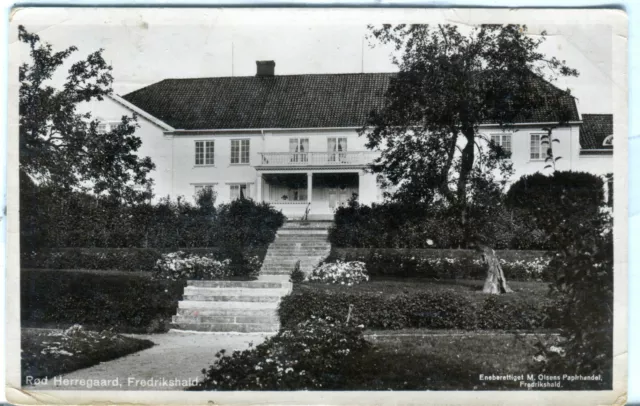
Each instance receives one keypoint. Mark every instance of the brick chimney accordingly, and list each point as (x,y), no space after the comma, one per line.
(265,68)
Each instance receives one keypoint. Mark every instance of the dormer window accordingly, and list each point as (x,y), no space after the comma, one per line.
(608,141)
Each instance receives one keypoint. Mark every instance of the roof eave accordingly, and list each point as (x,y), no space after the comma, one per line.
(120,100)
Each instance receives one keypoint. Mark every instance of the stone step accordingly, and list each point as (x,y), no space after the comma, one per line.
(314,231)
(232,298)
(212,291)
(274,277)
(229,327)
(213,312)
(200,319)
(206,304)
(238,284)
(307,224)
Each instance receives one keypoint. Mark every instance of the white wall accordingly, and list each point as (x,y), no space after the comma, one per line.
(568,149)
(176,173)
(154,143)
(222,173)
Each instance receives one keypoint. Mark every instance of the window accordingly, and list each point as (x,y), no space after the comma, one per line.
(299,148)
(537,149)
(235,190)
(504,140)
(204,153)
(239,151)
(102,128)
(200,188)
(336,145)
(609,179)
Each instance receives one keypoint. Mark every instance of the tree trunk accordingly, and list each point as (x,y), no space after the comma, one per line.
(495,283)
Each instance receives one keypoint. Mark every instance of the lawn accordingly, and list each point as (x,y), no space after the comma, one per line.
(427,361)
(396,286)
(48,353)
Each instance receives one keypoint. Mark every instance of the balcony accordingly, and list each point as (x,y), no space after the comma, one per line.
(297,159)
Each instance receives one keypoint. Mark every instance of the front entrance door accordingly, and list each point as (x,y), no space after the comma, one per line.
(338,197)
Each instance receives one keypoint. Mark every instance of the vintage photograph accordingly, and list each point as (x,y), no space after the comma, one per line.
(318,200)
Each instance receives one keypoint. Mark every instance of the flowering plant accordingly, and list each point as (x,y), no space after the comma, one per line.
(344,273)
(180,265)
(314,354)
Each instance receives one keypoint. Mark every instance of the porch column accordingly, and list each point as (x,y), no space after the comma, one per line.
(367,188)
(309,186)
(259,188)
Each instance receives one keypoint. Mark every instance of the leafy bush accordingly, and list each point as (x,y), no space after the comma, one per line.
(180,265)
(124,302)
(244,225)
(297,275)
(450,264)
(314,354)
(344,273)
(437,310)
(563,195)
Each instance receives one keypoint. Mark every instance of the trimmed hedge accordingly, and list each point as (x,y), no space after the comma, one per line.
(519,265)
(445,309)
(124,302)
(419,225)
(119,259)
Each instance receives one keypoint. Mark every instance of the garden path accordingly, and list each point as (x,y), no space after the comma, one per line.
(176,356)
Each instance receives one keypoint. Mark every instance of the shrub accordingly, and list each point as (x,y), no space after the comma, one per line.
(314,354)
(131,303)
(437,310)
(297,275)
(344,273)
(179,265)
(563,195)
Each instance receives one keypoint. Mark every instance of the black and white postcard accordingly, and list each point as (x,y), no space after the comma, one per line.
(317,206)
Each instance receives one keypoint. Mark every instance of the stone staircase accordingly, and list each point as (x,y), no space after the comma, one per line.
(295,241)
(251,306)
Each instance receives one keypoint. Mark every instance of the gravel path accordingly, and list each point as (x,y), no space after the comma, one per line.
(174,362)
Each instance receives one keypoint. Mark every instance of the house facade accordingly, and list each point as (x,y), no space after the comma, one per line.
(293,140)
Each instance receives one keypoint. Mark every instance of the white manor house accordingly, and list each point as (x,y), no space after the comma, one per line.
(292,140)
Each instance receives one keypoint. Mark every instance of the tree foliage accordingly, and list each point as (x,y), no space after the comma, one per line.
(61,146)
(448,84)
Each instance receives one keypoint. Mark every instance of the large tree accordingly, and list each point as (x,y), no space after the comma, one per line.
(61,146)
(448,84)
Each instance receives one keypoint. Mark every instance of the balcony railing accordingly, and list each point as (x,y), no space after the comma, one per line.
(316,158)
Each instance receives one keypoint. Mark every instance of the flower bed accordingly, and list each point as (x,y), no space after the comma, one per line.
(445,264)
(47,353)
(314,354)
(182,266)
(343,273)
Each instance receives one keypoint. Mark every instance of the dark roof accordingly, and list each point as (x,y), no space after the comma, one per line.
(287,101)
(595,128)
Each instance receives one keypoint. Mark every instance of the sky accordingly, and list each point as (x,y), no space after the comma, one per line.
(144,51)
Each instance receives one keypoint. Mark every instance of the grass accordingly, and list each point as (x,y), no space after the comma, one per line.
(446,362)
(48,353)
(396,286)
(124,301)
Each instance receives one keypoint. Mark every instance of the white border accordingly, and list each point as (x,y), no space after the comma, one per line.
(464,16)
